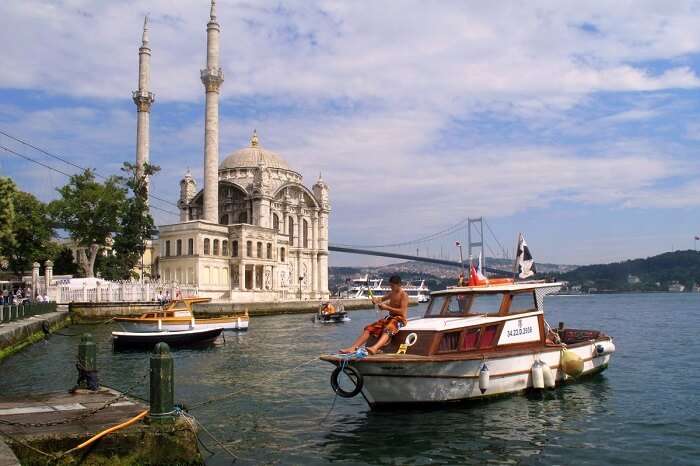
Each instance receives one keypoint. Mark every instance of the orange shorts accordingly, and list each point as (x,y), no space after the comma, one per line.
(389,325)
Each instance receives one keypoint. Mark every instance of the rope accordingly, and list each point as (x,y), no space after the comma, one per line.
(191,420)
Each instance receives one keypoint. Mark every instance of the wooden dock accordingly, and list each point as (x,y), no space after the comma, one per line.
(56,422)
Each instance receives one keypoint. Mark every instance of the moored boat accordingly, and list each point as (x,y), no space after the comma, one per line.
(475,342)
(194,337)
(331,313)
(178,316)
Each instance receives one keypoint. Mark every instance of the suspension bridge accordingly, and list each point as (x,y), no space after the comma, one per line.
(470,232)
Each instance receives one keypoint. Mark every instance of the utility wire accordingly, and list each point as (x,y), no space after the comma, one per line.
(68,162)
(7,149)
(497,242)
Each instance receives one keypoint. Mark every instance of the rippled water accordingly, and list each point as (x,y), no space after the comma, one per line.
(643,410)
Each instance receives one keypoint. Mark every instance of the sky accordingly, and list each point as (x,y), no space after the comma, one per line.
(576,123)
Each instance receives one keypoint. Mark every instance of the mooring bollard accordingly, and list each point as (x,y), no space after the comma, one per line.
(162,384)
(87,363)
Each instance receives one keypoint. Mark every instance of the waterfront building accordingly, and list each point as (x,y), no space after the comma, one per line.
(255,232)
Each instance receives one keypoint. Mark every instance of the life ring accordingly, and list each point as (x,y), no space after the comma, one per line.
(411,339)
(350,372)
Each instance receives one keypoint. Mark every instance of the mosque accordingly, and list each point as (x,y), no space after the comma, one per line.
(255,232)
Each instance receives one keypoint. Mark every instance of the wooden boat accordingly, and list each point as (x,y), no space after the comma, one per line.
(178,316)
(475,342)
(193,337)
(331,313)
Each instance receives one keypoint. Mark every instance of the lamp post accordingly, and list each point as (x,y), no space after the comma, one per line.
(301,279)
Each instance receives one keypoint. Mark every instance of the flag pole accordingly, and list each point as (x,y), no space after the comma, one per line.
(517,250)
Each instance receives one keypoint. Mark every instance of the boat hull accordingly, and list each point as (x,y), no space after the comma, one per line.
(123,340)
(147,325)
(411,382)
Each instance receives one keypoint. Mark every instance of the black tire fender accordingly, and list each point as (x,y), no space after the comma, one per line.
(351,372)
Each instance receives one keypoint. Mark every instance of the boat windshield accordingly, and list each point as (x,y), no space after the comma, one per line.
(465,304)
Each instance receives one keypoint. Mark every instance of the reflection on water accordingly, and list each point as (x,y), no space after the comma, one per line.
(628,414)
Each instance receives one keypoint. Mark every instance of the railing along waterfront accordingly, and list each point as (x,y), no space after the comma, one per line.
(11,312)
(113,292)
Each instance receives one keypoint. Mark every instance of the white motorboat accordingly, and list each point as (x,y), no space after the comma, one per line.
(475,342)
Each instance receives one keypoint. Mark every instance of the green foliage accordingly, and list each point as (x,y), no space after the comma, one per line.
(7,216)
(90,211)
(680,266)
(136,225)
(64,263)
(32,232)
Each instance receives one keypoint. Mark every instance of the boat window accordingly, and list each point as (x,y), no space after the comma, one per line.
(486,303)
(489,337)
(471,339)
(522,302)
(435,306)
(458,304)
(449,342)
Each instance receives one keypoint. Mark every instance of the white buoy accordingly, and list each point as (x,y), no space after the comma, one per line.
(484,378)
(537,375)
(549,380)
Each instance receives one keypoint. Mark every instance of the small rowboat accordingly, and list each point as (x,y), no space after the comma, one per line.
(330,313)
(121,340)
(178,316)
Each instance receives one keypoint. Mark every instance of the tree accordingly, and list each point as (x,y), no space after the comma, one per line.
(64,262)
(136,225)
(90,212)
(7,217)
(32,233)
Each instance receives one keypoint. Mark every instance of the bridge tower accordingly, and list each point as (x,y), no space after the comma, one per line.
(475,237)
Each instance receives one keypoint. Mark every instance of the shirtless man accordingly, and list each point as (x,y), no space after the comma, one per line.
(387,327)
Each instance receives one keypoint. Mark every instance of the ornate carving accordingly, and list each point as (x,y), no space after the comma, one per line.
(268,279)
(212,79)
(143,100)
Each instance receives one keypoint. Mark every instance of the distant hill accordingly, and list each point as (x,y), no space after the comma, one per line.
(655,273)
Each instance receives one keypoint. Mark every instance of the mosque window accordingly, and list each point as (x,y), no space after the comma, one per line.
(269,250)
(275,222)
(178,248)
(190,247)
(259,251)
(281,254)
(291,231)
(167,248)
(216,247)
(243,217)
(206,246)
(224,220)
(224,248)
(234,248)
(249,248)
(305,233)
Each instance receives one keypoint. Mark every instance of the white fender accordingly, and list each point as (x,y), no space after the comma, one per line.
(549,380)
(484,378)
(537,375)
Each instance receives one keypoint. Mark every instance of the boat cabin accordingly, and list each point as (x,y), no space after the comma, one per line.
(479,319)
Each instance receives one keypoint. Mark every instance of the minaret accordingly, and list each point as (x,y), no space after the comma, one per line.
(212,77)
(143,100)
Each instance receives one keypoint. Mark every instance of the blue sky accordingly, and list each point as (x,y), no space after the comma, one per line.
(577,124)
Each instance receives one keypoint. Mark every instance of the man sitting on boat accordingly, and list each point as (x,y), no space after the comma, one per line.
(387,327)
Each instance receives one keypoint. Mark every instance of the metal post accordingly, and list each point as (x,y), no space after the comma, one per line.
(300,280)
(162,384)
(87,363)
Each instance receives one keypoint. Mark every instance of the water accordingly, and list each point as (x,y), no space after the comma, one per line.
(643,410)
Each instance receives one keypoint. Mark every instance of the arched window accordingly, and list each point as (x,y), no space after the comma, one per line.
(234,248)
(216,247)
(167,248)
(190,247)
(224,220)
(206,246)
(269,250)
(281,254)
(224,248)
(249,248)
(259,249)
(291,231)
(305,232)
(275,222)
(243,217)
(178,247)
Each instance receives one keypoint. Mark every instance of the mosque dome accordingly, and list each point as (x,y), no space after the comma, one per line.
(252,156)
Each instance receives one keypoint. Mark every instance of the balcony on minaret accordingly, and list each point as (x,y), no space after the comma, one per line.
(212,78)
(143,100)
